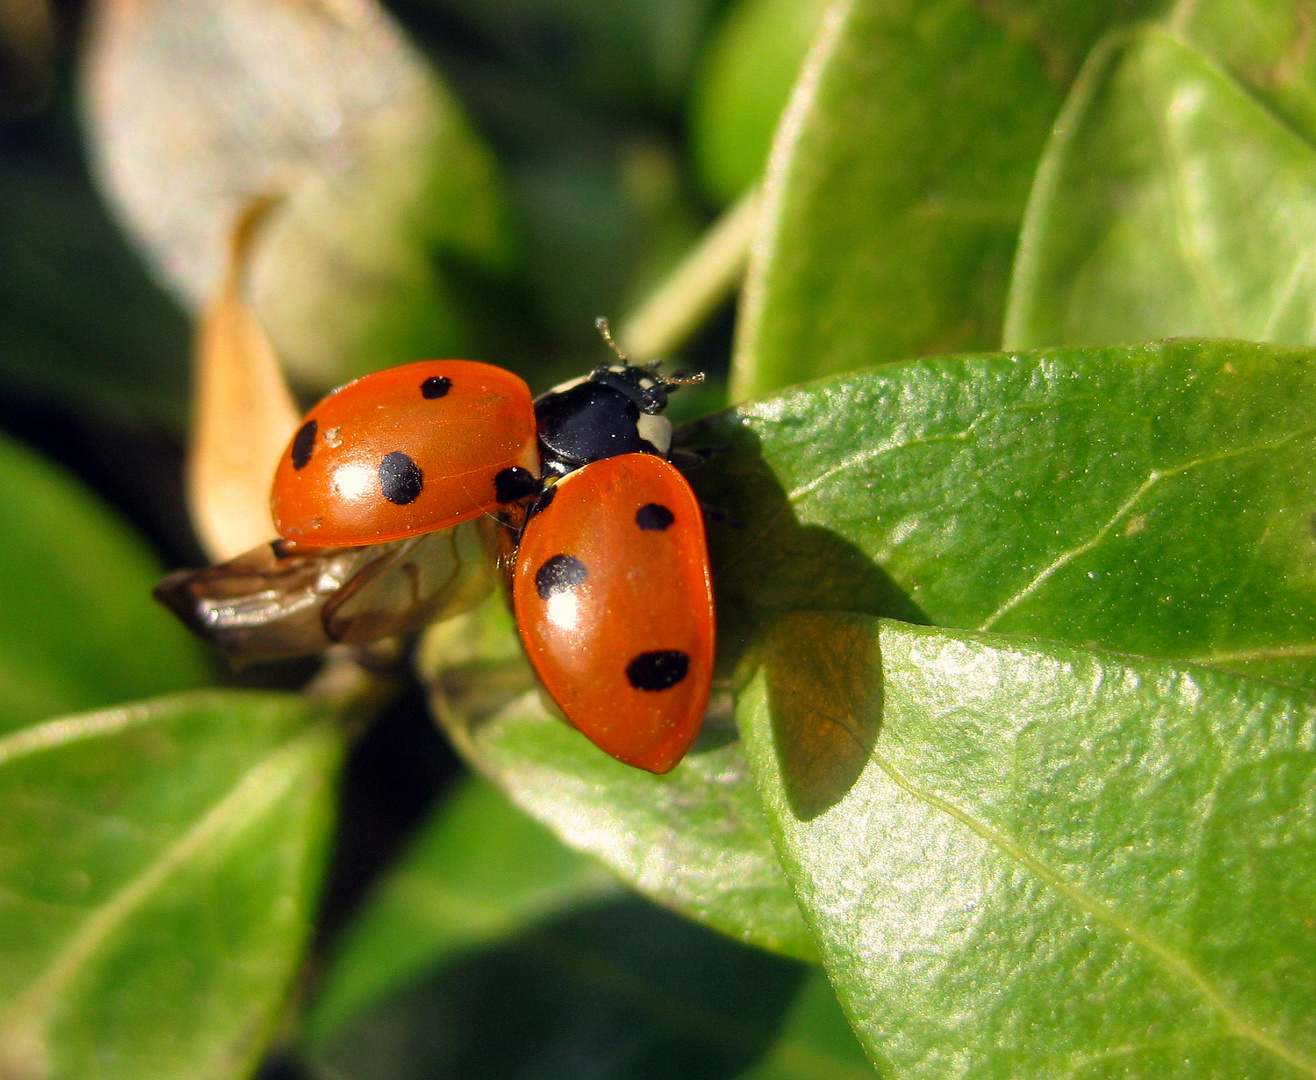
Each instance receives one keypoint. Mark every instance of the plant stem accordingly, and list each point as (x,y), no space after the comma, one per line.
(703,279)
(356,683)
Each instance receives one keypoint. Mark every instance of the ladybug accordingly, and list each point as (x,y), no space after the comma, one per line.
(607,561)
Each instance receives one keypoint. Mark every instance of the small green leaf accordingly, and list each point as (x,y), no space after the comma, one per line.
(479,872)
(159,865)
(1154,499)
(694,840)
(750,67)
(391,214)
(1170,202)
(1049,861)
(615,989)
(78,627)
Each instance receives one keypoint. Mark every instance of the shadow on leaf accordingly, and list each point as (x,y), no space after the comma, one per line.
(823,671)
(765,561)
(825,694)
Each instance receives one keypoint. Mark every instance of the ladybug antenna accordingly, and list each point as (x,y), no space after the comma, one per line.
(677,378)
(602,325)
(683,378)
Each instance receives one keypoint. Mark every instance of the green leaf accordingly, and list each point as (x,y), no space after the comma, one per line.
(746,78)
(1169,202)
(1264,44)
(694,840)
(392,218)
(159,865)
(78,627)
(892,209)
(1155,499)
(616,989)
(479,872)
(1044,860)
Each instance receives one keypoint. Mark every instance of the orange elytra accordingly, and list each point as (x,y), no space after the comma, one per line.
(406,451)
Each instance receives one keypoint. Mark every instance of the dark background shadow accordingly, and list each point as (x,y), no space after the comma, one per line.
(617,990)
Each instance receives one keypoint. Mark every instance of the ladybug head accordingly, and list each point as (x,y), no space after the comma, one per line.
(642,385)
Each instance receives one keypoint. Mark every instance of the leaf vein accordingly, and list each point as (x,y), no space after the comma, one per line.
(23,1025)
(1123,510)
(1177,965)
(1065,558)
(1189,241)
(862,457)
(1287,292)
(53,734)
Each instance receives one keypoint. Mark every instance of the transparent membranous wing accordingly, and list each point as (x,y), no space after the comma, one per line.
(274,603)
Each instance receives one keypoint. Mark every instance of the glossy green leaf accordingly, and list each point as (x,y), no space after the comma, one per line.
(1155,499)
(619,989)
(1044,860)
(159,864)
(751,65)
(1170,202)
(479,872)
(391,214)
(693,840)
(78,627)
(899,180)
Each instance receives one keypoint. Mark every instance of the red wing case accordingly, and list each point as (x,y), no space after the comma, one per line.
(614,603)
(406,451)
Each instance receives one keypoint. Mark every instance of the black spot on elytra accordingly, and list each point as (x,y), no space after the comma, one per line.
(400,478)
(302,445)
(435,386)
(560,574)
(514,483)
(660,670)
(654,517)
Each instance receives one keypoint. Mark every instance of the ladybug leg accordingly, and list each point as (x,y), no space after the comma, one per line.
(689,457)
(720,515)
(542,500)
(512,520)
(686,458)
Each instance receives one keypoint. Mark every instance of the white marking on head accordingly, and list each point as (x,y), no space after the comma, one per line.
(562,388)
(656,431)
